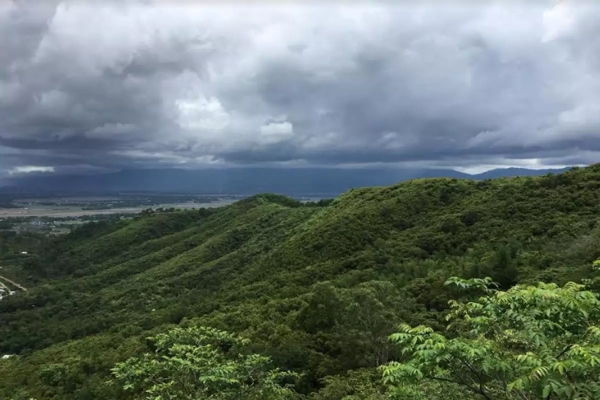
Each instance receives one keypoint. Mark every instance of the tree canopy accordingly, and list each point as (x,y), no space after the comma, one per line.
(529,342)
(202,363)
(318,288)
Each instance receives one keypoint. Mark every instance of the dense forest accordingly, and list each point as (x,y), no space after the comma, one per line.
(381,293)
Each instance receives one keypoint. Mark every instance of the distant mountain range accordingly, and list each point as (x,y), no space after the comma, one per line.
(244,181)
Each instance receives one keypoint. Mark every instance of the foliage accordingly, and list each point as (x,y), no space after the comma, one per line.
(354,385)
(528,342)
(204,363)
(317,288)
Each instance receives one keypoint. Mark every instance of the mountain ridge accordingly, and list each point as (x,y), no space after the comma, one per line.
(245,181)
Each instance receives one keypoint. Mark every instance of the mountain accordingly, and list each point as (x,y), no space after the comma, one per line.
(509,172)
(246,181)
(317,287)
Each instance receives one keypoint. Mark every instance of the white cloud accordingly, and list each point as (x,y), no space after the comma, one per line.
(276,132)
(558,21)
(203,116)
(27,169)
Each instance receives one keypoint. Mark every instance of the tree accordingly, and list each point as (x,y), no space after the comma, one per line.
(360,384)
(354,323)
(202,363)
(529,342)
(504,271)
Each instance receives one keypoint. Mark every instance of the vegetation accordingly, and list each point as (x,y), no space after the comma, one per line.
(318,290)
(202,363)
(530,342)
(12,244)
(6,225)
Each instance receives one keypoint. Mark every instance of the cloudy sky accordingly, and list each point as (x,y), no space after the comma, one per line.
(95,86)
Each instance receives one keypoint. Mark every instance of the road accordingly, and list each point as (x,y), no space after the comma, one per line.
(12,283)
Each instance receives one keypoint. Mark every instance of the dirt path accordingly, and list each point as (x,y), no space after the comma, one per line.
(13,283)
(3,286)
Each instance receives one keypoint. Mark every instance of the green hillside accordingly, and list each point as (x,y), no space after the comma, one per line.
(318,288)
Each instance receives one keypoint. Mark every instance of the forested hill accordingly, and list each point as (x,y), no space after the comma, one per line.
(318,287)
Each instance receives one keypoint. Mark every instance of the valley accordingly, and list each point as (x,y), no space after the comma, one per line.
(63,207)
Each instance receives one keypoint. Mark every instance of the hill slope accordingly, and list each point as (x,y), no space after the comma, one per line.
(317,288)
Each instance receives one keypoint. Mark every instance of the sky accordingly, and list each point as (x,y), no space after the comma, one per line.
(106,85)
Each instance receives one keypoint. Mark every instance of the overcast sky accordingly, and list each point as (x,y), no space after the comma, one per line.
(104,85)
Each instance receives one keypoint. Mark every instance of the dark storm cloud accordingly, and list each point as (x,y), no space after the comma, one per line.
(100,85)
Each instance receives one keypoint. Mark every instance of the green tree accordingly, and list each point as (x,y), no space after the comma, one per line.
(202,363)
(529,342)
(354,323)
(504,271)
(359,384)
